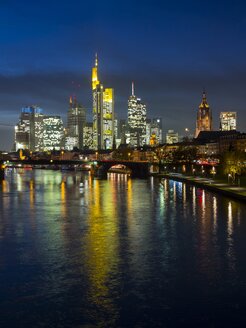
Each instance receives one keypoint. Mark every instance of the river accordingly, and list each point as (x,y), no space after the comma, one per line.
(118,253)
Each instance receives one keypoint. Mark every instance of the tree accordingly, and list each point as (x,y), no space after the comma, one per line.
(233,163)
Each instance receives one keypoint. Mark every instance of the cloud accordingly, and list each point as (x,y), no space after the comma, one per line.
(173,95)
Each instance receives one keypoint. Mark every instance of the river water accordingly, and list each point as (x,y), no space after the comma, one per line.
(118,253)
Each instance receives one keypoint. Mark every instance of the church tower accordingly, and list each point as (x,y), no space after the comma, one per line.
(204,116)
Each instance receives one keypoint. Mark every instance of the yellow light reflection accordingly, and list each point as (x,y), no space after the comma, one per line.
(5,186)
(184,194)
(101,254)
(63,198)
(129,195)
(31,187)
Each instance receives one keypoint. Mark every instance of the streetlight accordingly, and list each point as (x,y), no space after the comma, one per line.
(213,171)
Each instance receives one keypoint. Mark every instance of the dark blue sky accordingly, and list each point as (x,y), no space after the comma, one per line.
(171,49)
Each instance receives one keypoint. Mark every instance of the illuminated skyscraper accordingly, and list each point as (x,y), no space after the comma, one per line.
(136,120)
(88,135)
(75,124)
(154,131)
(29,130)
(228,121)
(122,131)
(52,132)
(172,137)
(204,117)
(103,113)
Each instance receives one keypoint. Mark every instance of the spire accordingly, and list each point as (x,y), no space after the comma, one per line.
(132,88)
(204,97)
(94,76)
(204,102)
(96,60)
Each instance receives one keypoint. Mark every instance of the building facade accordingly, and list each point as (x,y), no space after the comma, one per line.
(172,137)
(76,119)
(88,135)
(136,120)
(103,112)
(228,121)
(155,132)
(29,130)
(53,132)
(204,117)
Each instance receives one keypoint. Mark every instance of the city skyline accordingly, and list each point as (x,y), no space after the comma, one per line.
(55,57)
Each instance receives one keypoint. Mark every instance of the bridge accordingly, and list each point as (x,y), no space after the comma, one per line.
(139,169)
(99,168)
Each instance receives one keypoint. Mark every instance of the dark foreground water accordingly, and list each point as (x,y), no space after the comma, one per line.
(120,253)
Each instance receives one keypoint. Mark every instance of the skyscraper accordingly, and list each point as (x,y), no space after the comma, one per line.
(228,121)
(88,135)
(29,130)
(103,112)
(76,118)
(204,117)
(136,120)
(154,131)
(52,132)
(172,137)
(122,131)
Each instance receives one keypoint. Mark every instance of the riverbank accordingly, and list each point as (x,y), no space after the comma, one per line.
(210,184)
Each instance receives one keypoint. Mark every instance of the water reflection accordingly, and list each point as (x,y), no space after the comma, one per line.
(123,252)
(101,251)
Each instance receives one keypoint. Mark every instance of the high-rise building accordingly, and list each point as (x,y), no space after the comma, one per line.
(103,113)
(116,127)
(157,129)
(148,128)
(29,130)
(228,121)
(76,119)
(122,131)
(172,137)
(88,135)
(108,118)
(52,132)
(204,117)
(136,120)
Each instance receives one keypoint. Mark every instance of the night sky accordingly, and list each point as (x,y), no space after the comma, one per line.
(171,49)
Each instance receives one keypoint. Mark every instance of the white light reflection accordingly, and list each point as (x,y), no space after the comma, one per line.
(230,253)
(184,194)
(215,214)
(203,204)
(152,183)
(174,192)
(194,201)
(19,182)
(230,226)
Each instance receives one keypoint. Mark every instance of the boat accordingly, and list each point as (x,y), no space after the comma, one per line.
(121,169)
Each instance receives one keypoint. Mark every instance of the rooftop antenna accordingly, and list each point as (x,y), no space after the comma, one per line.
(132,88)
